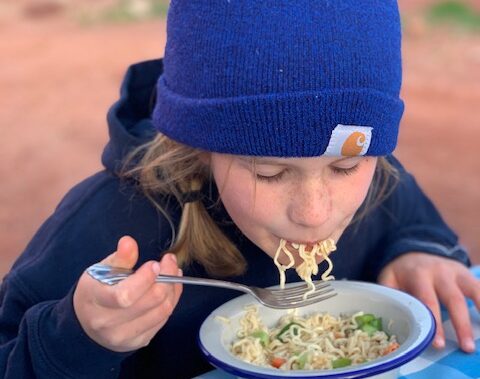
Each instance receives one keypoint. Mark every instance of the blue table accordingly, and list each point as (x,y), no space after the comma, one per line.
(448,363)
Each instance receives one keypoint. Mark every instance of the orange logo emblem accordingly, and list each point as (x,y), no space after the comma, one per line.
(353,145)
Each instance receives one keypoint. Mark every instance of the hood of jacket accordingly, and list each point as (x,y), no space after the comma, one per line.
(129,119)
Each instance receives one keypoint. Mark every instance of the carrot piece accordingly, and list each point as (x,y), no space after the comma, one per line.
(277,362)
(392,347)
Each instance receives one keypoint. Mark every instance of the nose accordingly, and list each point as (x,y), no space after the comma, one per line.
(310,204)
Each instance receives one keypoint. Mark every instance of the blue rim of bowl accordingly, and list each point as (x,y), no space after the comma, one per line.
(358,374)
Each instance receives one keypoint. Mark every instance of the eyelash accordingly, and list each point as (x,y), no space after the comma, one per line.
(279,176)
(345,171)
(274,178)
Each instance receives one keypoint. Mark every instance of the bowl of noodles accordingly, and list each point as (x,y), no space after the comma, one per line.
(366,331)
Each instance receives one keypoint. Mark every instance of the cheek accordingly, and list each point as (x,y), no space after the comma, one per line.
(250,207)
(237,201)
(357,197)
(237,193)
(359,185)
(348,196)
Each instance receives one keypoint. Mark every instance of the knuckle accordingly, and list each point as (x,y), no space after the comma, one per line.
(164,310)
(455,301)
(114,339)
(156,293)
(123,299)
(430,303)
(442,269)
(141,341)
(462,329)
(98,324)
(169,305)
(159,293)
(420,270)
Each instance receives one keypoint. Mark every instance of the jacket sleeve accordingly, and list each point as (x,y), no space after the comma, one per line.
(45,339)
(40,335)
(414,225)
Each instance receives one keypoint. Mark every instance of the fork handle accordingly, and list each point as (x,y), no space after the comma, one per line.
(112,275)
(200,282)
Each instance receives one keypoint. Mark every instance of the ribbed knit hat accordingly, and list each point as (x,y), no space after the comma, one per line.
(285,78)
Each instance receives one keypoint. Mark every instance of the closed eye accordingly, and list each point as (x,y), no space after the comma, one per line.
(270,178)
(344,170)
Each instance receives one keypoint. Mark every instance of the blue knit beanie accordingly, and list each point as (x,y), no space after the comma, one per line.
(285,78)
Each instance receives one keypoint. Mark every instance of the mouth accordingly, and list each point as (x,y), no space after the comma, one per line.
(309,244)
(296,244)
(294,247)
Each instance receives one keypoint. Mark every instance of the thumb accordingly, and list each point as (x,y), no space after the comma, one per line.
(126,255)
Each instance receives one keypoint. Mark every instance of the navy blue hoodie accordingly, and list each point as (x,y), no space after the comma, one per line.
(40,336)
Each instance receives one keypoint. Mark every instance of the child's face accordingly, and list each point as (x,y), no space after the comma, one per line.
(302,200)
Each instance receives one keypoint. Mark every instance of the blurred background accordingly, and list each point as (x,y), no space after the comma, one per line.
(62,62)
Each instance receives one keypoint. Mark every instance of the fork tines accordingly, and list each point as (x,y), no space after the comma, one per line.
(312,300)
(293,296)
(301,289)
(314,295)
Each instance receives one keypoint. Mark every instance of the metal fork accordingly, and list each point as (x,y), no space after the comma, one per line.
(290,297)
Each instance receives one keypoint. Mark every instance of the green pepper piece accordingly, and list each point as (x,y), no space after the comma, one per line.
(262,335)
(302,360)
(359,321)
(369,329)
(285,328)
(368,317)
(341,362)
(377,323)
(364,319)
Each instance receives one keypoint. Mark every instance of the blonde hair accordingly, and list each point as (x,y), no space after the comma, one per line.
(169,168)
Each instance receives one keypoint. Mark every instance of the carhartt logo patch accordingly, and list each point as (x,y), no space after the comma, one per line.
(349,140)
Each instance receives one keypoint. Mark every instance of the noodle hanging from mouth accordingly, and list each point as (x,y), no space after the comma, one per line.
(282,268)
(309,265)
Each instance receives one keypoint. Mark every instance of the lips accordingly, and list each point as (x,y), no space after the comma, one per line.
(308,245)
(293,245)
(293,248)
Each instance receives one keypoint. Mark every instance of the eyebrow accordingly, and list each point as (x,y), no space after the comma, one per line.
(267,161)
(263,161)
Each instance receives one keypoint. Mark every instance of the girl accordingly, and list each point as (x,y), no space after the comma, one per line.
(273,120)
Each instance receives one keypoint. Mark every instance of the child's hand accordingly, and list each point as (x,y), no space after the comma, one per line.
(126,316)
(435,280)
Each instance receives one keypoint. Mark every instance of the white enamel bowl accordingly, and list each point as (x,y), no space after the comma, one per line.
(403,315)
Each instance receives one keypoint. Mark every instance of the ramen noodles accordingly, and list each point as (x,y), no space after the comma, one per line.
(309,266)
(316,341)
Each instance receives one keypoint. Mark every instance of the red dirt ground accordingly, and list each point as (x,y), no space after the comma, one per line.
(59,78)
